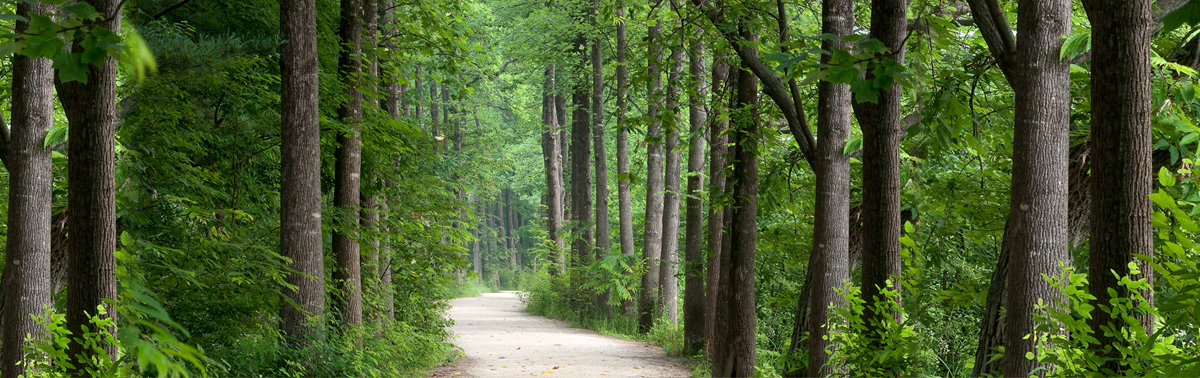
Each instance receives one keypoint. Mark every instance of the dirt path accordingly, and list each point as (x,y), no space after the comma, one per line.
(501,340)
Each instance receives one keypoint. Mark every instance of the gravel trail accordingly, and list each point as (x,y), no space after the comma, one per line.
(501,340)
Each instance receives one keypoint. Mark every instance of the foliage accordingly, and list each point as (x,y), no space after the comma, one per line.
(883,348)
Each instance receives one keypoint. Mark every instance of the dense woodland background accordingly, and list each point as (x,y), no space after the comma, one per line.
(773,188)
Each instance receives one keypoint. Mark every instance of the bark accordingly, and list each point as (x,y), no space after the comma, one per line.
(717,208)
(510,226)
(477,233)
(601,159)
(390,78)
(668,283)
(1038,205)
(27,284)
(734,353)
(581,183)
(652,233)
(624,198)
(347,277)
(385,267)
(92,123)
(369,222)
(882,131)
(829,267)
(553,167)
(417,113)
(300,170)
(693,283)
(1122,168)
(434,126)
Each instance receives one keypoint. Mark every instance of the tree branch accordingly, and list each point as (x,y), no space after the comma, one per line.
(998,35)
(168,10)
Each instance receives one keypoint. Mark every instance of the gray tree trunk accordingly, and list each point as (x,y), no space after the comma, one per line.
(347,277)
(668,283)
(652,234)
(693,246)
(624,198)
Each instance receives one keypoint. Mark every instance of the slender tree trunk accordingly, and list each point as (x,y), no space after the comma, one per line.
(510,226)
(880,122)
(369,222)
(385,267)
(624,198)
(27,285)
(553,166)
(734,354)
(830,265)
(434,127)
(416,96)
(348,166)
(581,183)
(718,158)
(669,284)
(654,186)
(564,138)
(91,177)
(1122,169)
(693,282)
(300,170)
(601,159)
(1038,205)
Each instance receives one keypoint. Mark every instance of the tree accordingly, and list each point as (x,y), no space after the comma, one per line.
(1038,204)
(601,153)
(300,169)
(624,198)
(831,245)
(553,168)
(693,292)
(881,128)
(92,123)
(668,284)
(1121,168)
(652,233)
(348,166)
(30,194)
(581,175)
(717,212)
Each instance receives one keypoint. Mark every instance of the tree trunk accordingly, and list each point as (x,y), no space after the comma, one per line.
(734,354)
(434,128)
(553,166)
(693,246)
(654,185)
(369,222)
(601,159)
(417,113)
(624,198)
(830,261)
(27,285)
(669,284)
(581,183)
(510,226)
(476,256)
(300,172)
(347,277)
(717,207)
(92,124)
(1038,205)
(881,128)
(1122,169)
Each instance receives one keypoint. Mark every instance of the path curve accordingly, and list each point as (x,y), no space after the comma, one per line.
(500,340)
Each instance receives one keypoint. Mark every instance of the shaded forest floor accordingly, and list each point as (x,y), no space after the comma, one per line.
(499,339)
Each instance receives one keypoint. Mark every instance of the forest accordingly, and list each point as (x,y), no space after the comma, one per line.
(774,188)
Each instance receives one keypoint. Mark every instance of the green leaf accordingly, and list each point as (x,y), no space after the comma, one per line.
(70,68)
(1165,177)
(55,136)
(38,47)
(80,10)
(10,47)
(1187,14)
(852,146)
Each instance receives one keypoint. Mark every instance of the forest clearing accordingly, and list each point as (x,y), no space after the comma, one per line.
(725,188)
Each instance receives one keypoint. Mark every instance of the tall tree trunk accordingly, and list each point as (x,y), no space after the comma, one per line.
(668,284)
(624,198)
(652,234)
(510,222)
(385,267)
(476,254)
(693,246)
(734,353)
(300,172)
(601,158)
(1038,205)
(830,265)
(416,97)
(553,166)
(581,183)
(347,277)
(369,222)
(1122,169)
(880,122)
(27,283)
(92,124)
(434,128)
(564,139)
(717,208)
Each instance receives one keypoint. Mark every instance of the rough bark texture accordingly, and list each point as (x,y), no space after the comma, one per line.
(1038,204)
(300,161)
(693,246)
(92,124)
(830,261)
(581,183)
(652,234)
(624,198)
(27,285)
(551,156)
(734,353)
(668,283)
(882,131)
(601,159)
(347,277)
(718,150)
(368,219)
(1122,170)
